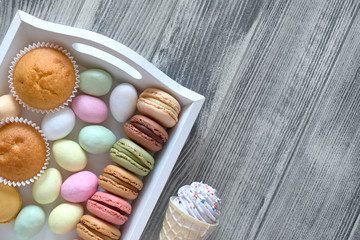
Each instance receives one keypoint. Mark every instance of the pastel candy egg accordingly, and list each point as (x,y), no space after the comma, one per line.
(58,124)
(123,102)
(96,139)
(63,218)
(47,188)
(69,155)
(9,107)
(79,187)
(95,82)
(29,222)
(90,109)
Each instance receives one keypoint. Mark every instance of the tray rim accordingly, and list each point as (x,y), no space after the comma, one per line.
(194,107)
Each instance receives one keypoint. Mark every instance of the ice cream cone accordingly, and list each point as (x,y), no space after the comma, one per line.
(178,225)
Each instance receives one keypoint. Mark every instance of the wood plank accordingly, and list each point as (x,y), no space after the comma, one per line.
(256,121)
(58,11)
(319,195)
(136,24)
(202,48)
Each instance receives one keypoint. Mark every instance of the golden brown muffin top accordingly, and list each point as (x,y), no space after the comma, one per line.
(44,78)
(22,151)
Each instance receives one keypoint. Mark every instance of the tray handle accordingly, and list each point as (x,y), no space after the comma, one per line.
(107,57)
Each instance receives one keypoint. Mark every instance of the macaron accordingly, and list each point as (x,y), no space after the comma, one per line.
(129,155)
(120,182)
(92,228)
(146,132)
(160,106)
(10,203)
(109,207)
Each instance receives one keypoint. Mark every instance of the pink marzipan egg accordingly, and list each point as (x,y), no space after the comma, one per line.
(90,109)
(79,187)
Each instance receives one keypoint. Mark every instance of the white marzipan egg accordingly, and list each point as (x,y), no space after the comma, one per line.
(58,124)
(123,102)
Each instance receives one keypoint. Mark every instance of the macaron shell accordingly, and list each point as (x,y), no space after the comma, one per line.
(112,200)
(124,175)
(132,163)
(128,163)
(144,139)
(138,151)
(88,223)
(163,97)
(162,115)
(105,213)
(117,189)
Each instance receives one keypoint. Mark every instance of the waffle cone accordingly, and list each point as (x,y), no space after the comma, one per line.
(178,225)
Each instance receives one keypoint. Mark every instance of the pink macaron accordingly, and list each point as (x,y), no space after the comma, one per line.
(79,187)
(109,207)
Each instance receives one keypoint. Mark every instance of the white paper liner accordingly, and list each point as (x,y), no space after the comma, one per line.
(30,123)
(26,50)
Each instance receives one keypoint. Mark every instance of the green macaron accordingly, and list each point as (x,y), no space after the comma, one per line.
(132,157)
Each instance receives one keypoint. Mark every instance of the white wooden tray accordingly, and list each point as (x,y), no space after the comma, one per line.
(92,50)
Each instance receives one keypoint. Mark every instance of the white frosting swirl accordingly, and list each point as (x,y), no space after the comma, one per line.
(200,201)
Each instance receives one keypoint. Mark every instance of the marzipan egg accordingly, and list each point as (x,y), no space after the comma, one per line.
(123,102)
(29,222)
(96,139)
(63,218)
(9,107)
(58,124)
(47,188)
(69,155)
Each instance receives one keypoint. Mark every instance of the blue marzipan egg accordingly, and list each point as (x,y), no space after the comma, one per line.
(29,222)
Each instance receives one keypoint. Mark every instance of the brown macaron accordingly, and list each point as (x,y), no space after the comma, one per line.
(120,182)
(92,228)
(146,132)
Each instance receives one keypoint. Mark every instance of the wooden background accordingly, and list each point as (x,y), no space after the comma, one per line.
(279,133)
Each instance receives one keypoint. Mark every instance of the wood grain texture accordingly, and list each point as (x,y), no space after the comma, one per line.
(248,145)
(136,24)
(58,11)
(278,136)
(201,49)
(319,195)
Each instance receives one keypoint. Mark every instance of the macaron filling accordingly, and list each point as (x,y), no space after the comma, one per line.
(93,231)
(148,132)
(163,105)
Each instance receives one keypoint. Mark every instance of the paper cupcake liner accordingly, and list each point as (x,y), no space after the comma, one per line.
(28,49)
(30,123)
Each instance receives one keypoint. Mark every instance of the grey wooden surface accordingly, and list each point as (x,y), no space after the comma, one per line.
(279,133)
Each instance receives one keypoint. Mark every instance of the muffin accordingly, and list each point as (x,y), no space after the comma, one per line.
(24,152)
(44,78)
(10,203)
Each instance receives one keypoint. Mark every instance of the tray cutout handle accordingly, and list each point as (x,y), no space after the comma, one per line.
(107,57)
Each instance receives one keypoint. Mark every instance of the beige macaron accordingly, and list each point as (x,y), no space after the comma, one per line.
(160,106)
(120,182)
